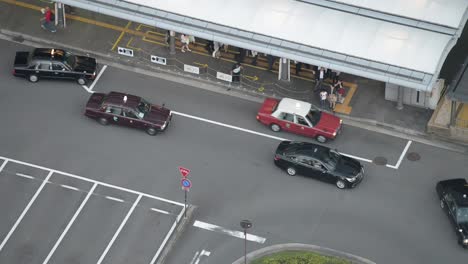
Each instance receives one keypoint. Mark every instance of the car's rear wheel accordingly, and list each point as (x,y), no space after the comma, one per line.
(291,171)
(321,139)
(103,121)
(275,128)
(81,81)
(33,78)
(340,184)
(151,131)
(442,205)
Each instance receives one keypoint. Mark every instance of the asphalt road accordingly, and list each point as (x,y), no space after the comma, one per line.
(392,217)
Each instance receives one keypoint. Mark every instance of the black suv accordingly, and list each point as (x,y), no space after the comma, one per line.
(453,196)
(319,162)
(54,64)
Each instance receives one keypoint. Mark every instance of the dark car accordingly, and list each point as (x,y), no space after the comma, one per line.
(128,110)
(319,162)
(453,195)
(50,63)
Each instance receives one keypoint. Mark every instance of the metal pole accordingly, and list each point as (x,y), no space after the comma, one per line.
(185,205)
(245,246)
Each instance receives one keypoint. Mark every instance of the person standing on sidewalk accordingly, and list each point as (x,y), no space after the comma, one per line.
(323,98)
(46,21)
(185,42)
(236,71)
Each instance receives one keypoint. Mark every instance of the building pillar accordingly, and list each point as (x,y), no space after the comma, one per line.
(401,90)
(172,49)
(284,70)
(453,112)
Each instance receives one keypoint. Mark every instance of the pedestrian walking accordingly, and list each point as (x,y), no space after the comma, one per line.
(319,78)
(236,71)
(271,61)
(323,98)
(185,42)
(255,56)
(340,91)
(298,67)
(335,75)
(46,21)
(332,100)
(216,50)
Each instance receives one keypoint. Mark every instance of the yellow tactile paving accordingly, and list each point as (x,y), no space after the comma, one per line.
(344,108)
(463,116)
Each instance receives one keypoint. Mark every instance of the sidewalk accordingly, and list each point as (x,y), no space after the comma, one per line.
(101,36)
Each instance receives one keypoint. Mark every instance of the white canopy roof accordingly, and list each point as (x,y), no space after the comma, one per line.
(444,12)
(316,26)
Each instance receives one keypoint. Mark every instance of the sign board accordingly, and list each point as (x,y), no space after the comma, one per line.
(224,77)
(124,51)
(158,60)
(191,69)
(186,184)
(184,171)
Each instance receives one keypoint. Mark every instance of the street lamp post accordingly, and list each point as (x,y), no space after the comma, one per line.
(245,224)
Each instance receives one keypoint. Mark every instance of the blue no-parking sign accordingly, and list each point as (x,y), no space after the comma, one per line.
(186,184)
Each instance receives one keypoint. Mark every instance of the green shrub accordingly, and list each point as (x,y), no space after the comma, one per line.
(299,257)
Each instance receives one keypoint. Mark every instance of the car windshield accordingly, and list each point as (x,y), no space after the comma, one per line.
(462,215)
(314,116)
(143,107)
(69,59)
(331,158)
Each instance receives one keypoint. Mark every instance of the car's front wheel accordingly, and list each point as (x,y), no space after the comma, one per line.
(103,121)
(81,81)
(275,128)
(291,171)
(340,184)
(321,139)
(151,131)
(33,78)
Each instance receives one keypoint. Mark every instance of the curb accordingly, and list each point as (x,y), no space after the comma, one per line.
(231,90)
(305,247)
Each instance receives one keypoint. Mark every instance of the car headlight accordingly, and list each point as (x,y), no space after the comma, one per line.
(465,241)
(334,134)
(351,179)
(341,121)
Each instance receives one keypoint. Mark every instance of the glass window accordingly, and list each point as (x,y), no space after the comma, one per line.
(57,67)
(44,66)
(301,121)
(287,117)
(130,114)
(462,215)
(314,117)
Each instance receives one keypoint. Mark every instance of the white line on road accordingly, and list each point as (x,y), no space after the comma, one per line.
(5,161)
(219,229)
(92,181)
(203,253)
(25,211)
(356,157)
(25,176)
(196,256)
(403,154)
(119,229)
(69,187)
(70,224)
(114,199)
(87,89)
(160,211)
(97,78)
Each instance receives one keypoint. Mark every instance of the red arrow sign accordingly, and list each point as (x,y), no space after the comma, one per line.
(184,171)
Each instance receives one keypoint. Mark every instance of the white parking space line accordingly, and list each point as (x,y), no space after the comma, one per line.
(114,199)
(159,211)
(119,229)
(25,176)
(69,187)
(403,154)
(70,223)
(233,233)
(3,164)
(97,78)
(18,221)
(197,257)
(356,157)
(90,180)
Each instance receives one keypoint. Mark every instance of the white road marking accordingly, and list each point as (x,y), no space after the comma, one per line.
(69,187)
(253,132)
(97,78)
(90,180)
(196,256)
(119,229)
(18,221)
(87,89)
(403,153)
(3,164)
(219,229)
(114,199)
(25,176)
(160,211)
(70,224)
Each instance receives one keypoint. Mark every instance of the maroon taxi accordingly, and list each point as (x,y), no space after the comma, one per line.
(300,118)
(128,110)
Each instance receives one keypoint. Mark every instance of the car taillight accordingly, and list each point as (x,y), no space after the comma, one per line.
(277,157)
(14,72)
(258,118)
